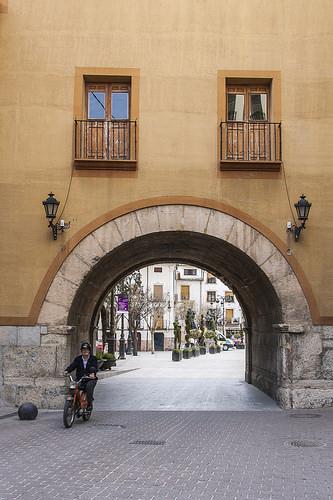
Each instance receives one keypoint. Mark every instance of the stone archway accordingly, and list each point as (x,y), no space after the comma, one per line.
(233,250)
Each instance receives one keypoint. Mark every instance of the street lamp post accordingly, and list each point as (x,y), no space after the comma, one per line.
(122,340)
(129,340)
(219,300)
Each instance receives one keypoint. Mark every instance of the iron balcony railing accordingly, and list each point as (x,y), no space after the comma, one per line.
(105,140)
(250,141)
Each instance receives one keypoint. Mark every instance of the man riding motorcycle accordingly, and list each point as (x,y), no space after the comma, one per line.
(85,364)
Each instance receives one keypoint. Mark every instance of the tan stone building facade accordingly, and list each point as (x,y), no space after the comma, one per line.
(170,131)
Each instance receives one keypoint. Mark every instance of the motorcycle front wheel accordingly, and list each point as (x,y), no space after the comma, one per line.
(86,415)
(69,414)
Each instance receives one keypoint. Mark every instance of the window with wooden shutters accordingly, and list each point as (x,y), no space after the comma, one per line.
(107,128)
(229,313)
(185,292)
(158,292)
(106,111)
(250,130)
(159,320)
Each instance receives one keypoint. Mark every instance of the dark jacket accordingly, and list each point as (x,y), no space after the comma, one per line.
(77,365)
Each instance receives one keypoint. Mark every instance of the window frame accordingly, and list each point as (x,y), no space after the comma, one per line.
(106,76)
(272,79)
(190,271)
(213,294)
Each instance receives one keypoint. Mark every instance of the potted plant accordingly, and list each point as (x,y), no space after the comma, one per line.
(177,354)
(105,360)
(100,359)
(109,360)
(201,336)
(218,348)
(212,349)
(187,352)
(176,351)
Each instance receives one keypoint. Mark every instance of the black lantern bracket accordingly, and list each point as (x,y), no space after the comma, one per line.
(51,205)
(302,209)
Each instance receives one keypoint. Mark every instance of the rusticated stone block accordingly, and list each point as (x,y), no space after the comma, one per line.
(108,236)
(8,335)
(327,364)
(28,335)
(171,217)
(29,362)
(220,225)
(128,227)
(148,220)
(62,359)
(195,222)
(53,314)
(54,339)
(50,396)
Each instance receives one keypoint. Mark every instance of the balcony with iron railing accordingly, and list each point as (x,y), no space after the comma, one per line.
(252,146)
(105,144)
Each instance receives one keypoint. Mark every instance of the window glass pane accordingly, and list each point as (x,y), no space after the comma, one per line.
(190,272)
(258,107)
(119,106)
(236,107)
(96,105)
(211,296)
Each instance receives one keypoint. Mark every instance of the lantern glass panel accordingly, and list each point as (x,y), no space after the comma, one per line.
(51,206)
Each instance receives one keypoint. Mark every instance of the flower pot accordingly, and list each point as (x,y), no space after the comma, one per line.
(212,350)
(218,348)
(203,350)
(177,355)
(186,354)
(107,363)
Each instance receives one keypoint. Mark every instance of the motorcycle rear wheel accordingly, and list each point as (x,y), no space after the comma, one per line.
(69,414)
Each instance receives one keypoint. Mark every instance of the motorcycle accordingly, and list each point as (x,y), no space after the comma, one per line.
(76,404)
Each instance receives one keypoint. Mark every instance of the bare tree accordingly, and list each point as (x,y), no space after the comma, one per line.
(153,313)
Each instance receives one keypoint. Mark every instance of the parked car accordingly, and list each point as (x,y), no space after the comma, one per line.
(225,342)
(228,344)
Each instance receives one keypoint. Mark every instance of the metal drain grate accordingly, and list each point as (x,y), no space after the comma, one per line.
(304,443)
(149,442)
(305,415)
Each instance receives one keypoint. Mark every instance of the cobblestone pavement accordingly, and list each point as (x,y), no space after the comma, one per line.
(252,451)
(200,455)
(154,382)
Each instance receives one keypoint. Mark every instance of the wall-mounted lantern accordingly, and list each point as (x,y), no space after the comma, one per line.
(51,205)
(302,209)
